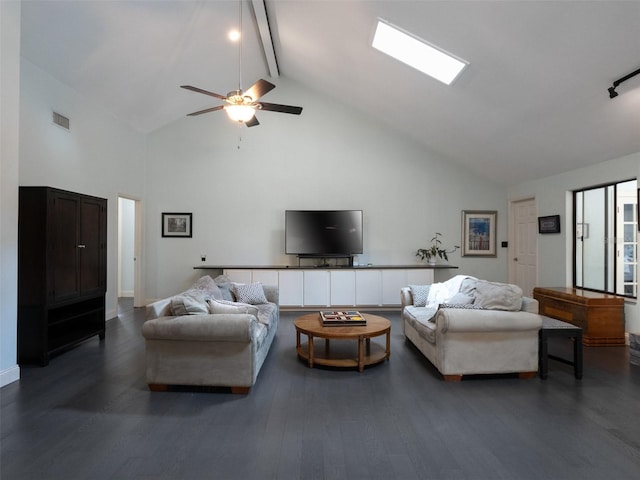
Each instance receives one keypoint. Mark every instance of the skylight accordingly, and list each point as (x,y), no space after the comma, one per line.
(417,53)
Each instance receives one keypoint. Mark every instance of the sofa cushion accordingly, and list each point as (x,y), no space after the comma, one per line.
(251,293)
(222,306)
(461,299)
(224,284)
(421,314)
(261,334)
(191,302)
(468,286)
(207,285)
(498,296)
(267,312)
(420,294)
(420,319)
(225,291)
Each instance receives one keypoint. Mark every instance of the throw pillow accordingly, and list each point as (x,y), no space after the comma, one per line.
(468,286)
(460,299)
(498,296)
(189,303)
(251,293)
(207,285)
(216,306)
(224,284)
(420,294)
(225,290)
(222,279)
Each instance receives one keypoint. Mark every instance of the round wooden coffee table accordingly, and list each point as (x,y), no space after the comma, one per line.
(341,354)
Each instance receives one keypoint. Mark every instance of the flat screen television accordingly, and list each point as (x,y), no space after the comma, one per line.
(323,232)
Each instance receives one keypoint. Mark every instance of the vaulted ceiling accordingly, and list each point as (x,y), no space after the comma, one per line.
(533,101)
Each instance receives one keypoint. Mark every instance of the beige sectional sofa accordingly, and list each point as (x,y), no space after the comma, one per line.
(473,327)
(207,336)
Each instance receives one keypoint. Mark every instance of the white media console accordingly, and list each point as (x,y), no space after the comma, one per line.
(313,287)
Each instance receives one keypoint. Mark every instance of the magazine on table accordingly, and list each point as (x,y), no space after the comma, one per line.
(342,317)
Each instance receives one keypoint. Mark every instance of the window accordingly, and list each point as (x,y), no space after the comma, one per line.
(606,238)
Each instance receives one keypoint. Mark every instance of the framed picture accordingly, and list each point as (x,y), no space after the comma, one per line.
(549,224)
(177,225)
(479,233)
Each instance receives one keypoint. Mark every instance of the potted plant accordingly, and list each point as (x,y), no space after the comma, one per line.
(435,250)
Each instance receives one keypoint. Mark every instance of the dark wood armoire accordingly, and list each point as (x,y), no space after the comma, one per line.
(62,271)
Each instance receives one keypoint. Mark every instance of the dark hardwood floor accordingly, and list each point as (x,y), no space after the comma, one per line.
(89,415)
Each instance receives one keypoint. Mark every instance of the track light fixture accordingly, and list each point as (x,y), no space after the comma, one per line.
(612,89)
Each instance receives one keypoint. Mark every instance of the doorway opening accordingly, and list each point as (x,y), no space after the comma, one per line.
(129,253)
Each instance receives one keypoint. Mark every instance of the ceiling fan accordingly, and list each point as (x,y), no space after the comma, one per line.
(241,105)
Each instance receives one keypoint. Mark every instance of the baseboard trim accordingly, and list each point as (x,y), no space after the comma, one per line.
(111,314)
(9,375)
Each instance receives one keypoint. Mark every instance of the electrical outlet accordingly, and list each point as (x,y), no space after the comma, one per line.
(203,257)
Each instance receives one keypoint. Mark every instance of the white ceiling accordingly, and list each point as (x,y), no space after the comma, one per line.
(532,103)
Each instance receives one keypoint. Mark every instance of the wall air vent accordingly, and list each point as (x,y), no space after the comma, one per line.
(61,120)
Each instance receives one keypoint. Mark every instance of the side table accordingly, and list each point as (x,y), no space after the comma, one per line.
(556,328)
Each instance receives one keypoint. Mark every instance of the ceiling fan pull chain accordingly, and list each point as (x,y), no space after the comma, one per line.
(240,48)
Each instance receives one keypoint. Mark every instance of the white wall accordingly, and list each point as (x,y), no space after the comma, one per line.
(553,196)
(9,151)
(99,155)
(238,182)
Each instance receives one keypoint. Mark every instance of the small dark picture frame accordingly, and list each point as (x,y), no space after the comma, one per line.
(549,224)
(177,225)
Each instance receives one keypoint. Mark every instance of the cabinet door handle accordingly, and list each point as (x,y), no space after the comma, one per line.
(82,246)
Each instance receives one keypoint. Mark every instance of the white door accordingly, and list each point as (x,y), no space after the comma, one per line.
(523,268)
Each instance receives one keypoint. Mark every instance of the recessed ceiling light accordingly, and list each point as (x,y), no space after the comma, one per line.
(417,53)
(234,35)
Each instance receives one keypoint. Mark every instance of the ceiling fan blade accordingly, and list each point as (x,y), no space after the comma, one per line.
(274,107)
(258,89)
(199,90)
(206,110)
(253,122)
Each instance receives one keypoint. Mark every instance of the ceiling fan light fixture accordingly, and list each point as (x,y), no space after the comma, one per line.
(240,113)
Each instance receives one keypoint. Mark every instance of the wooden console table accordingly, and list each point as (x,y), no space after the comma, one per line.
(600,315)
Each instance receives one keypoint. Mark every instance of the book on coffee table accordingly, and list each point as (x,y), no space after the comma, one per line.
(342,318)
